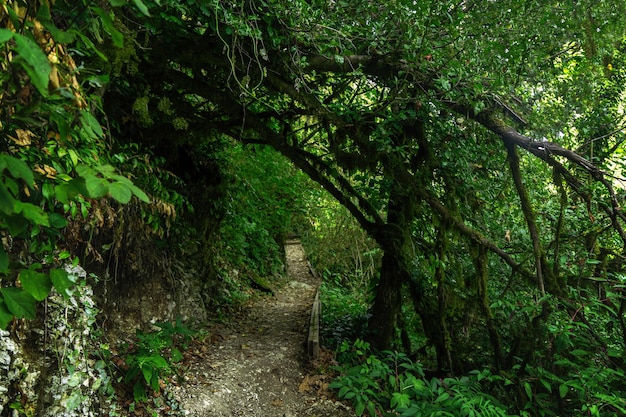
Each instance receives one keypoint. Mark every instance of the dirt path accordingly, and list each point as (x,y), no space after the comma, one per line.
(257,366)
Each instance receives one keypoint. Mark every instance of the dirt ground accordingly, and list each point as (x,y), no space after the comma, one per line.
(257,366)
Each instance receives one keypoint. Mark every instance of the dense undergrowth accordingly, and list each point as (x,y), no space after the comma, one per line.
(577,369)
(391,384)
(579,373)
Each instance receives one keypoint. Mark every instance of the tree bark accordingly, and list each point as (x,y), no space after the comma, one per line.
(388,299)
(529,214)
(387,303)
(481,263)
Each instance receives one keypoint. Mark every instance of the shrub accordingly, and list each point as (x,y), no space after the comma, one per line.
(390,384)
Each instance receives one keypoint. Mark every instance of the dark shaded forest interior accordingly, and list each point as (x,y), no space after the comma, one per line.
(457,184)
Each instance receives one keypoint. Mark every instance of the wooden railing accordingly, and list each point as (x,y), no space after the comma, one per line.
(314,328)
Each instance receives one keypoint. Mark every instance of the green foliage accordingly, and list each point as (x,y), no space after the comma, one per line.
(31,58)
(154,356)
(54,159)
(345,94)
(102,180)
(391,384)
(345,312)
(348,262)
(583,369)
(16,217)
(336,243)
(264,193)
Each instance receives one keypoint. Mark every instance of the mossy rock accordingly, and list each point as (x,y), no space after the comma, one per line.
(262,284)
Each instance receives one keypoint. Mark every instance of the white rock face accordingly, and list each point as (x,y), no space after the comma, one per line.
(46,363)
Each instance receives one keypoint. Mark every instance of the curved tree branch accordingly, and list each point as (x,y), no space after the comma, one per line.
(529,214)
(380,67)
(472,234)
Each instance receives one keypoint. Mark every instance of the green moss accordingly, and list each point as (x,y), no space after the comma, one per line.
(140,109)
(180,123)
(262,284)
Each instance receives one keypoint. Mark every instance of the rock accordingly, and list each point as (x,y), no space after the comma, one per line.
(262,285)
(299,285)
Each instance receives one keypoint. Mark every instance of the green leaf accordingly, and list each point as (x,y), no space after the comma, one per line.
(64,192)
(142,7)
(61,192)
(12,186)
(44,16)
(546,384)
(57,221)
(91,124)
(85,171)
(114,177)
(75,379)
(20,303)
(359,408)
(73,156)
(5,316)
(88,42)
(529,391)
(442,397)
(614,353)
(177,356)
(118,3)
(107,170)
(154,382)
(96,187)
(139,392)
(107,23)
(19,169)
(159,362)
(7,202)
(5,35)
(16,224)
(147,373)
(34,62)
(33,213)
(62,282)
(60,119)
(15,18)
(400,400)
(43,13)
(563,390)
(579,352)
(120,192)
(36,283)
(139,193)
(59,35)
(75,400)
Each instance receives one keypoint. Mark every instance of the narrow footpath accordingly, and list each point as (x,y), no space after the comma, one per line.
(257,366)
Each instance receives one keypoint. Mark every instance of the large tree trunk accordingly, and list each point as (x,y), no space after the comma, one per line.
(388,299)
(387,303)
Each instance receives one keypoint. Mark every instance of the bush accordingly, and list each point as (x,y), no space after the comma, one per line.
(390,384)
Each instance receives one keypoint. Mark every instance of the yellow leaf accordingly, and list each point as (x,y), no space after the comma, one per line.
(46,170)
(23,137)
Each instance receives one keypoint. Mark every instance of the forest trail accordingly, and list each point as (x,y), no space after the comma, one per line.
(257,366)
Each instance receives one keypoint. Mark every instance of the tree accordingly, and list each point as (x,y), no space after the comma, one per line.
(411,115)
